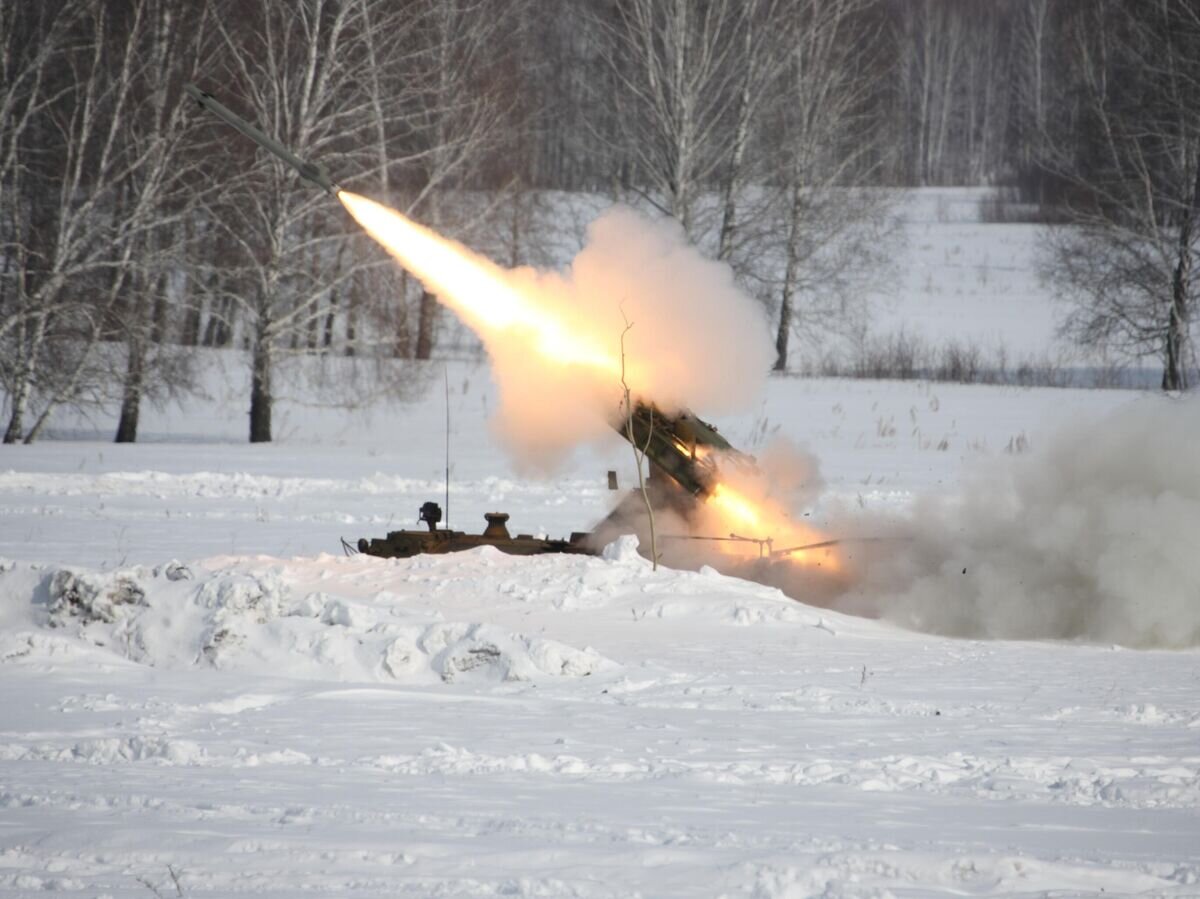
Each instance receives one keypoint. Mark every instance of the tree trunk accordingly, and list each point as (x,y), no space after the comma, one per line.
(1175,367)
(20,394)
(330,320)
(426,322)
(514,226)
(190,335)
(403,346)
(352,322)
(135,361)
(131,395)
(24,380)
(785,330)
(260,385)
(1174,374)
(159,319)
(790,273)
(16,420)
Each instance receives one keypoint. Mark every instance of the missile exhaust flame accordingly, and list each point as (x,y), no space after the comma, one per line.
(476,288)
(672,293)
(765,520)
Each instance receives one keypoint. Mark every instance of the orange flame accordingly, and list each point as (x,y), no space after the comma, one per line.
(738,514)
(737,508)
(476,288)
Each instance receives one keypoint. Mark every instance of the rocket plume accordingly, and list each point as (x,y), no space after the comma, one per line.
(478,290)
(743,504)
(555,341)
(555,338)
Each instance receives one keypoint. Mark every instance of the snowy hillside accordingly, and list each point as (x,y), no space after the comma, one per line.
(484,725)
(197,681)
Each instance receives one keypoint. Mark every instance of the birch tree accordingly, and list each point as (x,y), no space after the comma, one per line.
(769,30)
(162,193)
(300,73)
(933,44)
(64,162)
(462,109)
(1033,68)
(674,69)
(834,232)
(1125,265)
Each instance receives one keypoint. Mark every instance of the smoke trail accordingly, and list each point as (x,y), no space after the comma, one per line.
(1094,537)
(555,338)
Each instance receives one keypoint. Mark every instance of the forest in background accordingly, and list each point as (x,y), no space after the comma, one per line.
(133,226)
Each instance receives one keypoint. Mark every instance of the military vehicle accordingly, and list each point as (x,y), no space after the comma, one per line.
(403,544)
(682,449)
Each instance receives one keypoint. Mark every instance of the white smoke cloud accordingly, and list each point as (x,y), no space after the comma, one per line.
(1096,536)
(696,339)
(555,339)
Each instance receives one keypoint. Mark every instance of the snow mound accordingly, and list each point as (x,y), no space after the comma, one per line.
(619,585)
(465,651)
(111,750)
(475,617)
(624,549)
(261,619)
(86,597)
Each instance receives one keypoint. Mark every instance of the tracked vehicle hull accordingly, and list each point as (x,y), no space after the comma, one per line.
(404,544)
(682,450)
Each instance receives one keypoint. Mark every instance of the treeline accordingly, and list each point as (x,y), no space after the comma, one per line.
(950,92)
(133,226)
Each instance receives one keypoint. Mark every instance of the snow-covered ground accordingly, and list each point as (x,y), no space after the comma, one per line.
(195,682)
(959,279)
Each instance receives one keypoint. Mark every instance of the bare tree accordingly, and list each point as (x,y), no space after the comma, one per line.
(677,80)
(301,70)
(770,30)
(1132,162)
(833,230)
(463,109)
(65,165)
(959,75)
(931,35)
(33,42)
(162,192)
(1033,69)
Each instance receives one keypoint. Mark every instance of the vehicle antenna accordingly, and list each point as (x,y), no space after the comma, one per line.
(446,381)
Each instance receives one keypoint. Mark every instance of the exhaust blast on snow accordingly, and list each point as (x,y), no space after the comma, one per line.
(1094,537)
(555,338)
(1091,537)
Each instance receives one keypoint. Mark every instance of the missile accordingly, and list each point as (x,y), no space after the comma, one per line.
(681,446)
(307,170)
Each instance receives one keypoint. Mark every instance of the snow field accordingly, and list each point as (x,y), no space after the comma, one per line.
(193,678)
(566,726)
(960,279)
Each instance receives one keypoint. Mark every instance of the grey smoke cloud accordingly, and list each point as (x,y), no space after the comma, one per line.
(1094,536)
